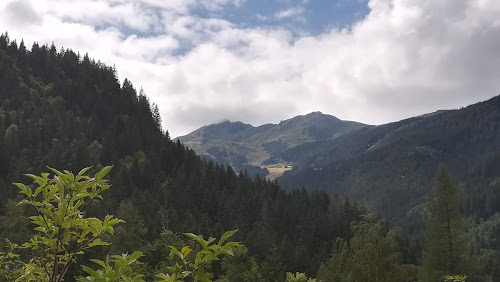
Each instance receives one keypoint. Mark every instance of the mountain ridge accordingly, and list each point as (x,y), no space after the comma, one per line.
(392,166)
(245,146)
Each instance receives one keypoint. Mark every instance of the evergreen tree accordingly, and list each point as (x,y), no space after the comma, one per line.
(240,267)
(129,237)
(371,255)
(14,225)
(444,249)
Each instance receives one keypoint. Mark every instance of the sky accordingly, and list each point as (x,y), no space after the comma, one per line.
(263,61)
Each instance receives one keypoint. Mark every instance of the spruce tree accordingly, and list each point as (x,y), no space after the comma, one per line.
(444,250)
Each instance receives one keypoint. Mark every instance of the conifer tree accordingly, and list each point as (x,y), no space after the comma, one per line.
(444,250)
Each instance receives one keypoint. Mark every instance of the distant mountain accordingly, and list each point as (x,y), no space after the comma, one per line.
(392,166)
(247,147)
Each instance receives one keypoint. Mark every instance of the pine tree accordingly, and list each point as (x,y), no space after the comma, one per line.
(443,253)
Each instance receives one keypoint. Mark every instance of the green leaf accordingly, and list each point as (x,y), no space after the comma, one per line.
(98,242)
(82,172)
(90,271)
(39,180)
(226,236)
(135,255)
(100,175)
(24,202)
(79,196)
(99,262)
(176,252)
(185,250)
(57,172)
(24,189)
(198,239)
(38,190)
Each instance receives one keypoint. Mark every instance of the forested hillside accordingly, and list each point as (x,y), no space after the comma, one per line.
(67,111)
(392,166)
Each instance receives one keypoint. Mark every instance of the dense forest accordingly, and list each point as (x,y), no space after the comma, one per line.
(67,111)
(391,167)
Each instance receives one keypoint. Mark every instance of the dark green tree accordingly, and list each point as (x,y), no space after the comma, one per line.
(240,267)
(129,237)
(444,248)
(14,225)
(371,255)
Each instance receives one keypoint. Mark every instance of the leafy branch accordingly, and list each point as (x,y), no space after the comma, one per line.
(62,230)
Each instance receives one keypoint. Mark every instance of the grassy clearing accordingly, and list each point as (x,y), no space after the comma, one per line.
(276,171)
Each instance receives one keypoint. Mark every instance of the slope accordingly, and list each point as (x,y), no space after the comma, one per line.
(392,166)
(242,144)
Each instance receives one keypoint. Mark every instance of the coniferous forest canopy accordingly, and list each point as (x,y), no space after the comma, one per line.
(66,111)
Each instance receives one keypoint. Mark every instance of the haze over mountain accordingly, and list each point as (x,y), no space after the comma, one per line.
(247,147)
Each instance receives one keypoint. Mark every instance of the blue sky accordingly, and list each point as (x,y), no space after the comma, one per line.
(312,17)
(257,61)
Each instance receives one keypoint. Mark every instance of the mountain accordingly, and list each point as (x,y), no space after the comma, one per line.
(247,147)
(392,166)
(67,111)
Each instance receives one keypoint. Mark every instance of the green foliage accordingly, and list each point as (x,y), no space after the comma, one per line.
(62,232)
(240,267)
(11,265)
(197,269)
(14,225)
(337,268)
(161,246)
(445,249)
(484,248)
(455,278)
(121,269)
(371,255)
(128,237)
(298,277)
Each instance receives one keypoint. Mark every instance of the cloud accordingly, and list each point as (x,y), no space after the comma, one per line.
(22,13)
(404,58)
(290,13)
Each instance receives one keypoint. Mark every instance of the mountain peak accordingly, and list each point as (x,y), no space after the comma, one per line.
(316,113)
(241,144)
(319,114)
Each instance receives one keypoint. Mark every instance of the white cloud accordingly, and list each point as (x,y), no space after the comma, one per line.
(293,12)
(406,57)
